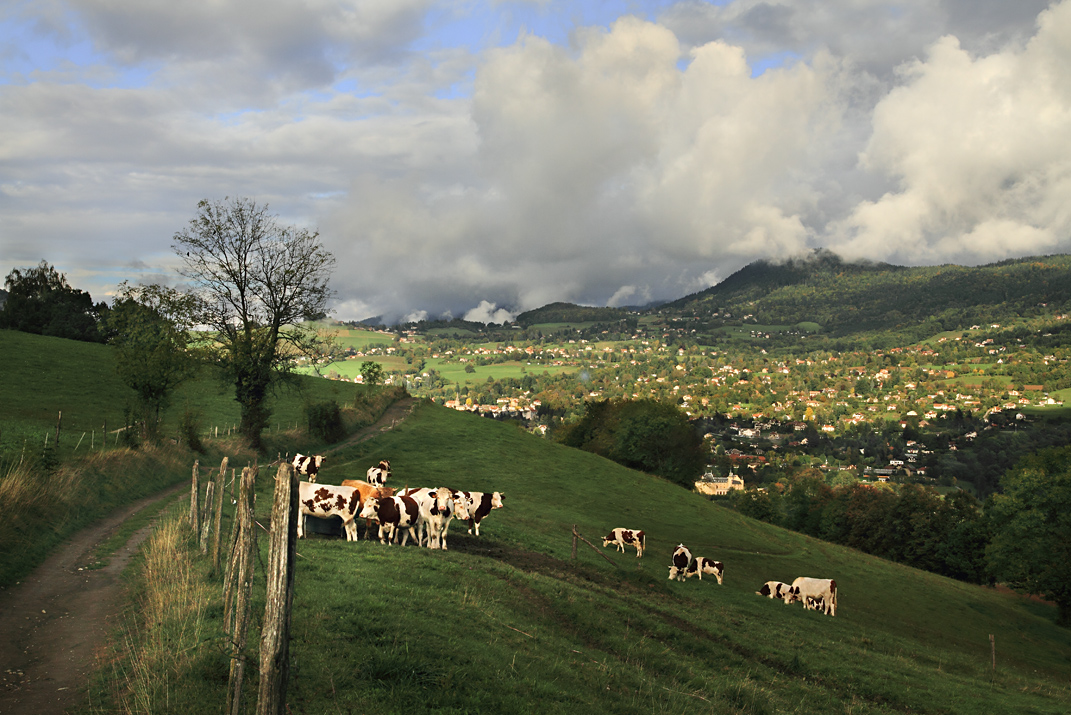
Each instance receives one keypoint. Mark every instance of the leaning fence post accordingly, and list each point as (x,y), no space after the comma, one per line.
(245,545)
(194,510)
(219,515)
(275,633)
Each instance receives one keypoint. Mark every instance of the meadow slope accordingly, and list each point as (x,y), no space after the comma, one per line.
(508,622)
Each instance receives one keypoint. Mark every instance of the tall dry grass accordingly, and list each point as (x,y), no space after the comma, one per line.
(168,631)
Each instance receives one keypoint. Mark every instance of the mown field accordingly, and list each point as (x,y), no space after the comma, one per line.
(510,623)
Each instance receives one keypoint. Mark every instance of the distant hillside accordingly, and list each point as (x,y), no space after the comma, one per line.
(846,298)
(570,313)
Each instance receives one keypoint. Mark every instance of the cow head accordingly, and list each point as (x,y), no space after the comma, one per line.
(371,508)
(461,506)
(791,594)
(318,460)
(496,500)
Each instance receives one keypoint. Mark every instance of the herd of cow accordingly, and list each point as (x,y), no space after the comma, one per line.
(423,513)
(813,593)
(426,513)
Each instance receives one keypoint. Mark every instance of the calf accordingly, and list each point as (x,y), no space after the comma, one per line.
(324,501)
(814,592)
(682,559)
(379,474)
(480,505)
(703,565)
(308,465)
(394,513)
(438,507)
(621,537)
(774,589)
(367,490)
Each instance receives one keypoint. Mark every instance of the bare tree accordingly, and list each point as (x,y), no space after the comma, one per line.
(258,280)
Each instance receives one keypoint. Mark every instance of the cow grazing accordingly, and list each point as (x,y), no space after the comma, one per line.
(774,589)
(620,537)
(682,559)
(378,475)
(814,593)
(480,505)
(394,513)
(438,507)
(702,565)
(324,501)
(367,490)
(308,465)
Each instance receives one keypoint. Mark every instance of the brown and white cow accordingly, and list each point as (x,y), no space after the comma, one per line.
(480,505)
(620,537)
(367,490)
(324,501)
(702,565)
(394,513)
(438,507)
(308,465)
(815,594)
(682,559)
(774,589)
(378,475)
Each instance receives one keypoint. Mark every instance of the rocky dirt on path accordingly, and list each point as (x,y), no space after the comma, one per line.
(54,621)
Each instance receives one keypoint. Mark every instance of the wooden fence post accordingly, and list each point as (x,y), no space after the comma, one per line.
(194,495)
(275,633)
(219,515)
(59,421)
(245,546)
(574,543)
(993,651)
(206,521)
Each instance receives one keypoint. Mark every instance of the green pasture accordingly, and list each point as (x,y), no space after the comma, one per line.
(43,377)
(509,622)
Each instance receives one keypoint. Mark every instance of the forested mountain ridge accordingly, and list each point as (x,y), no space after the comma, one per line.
(846,298)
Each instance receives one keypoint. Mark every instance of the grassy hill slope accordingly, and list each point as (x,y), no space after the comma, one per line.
(509,623)
(847,298)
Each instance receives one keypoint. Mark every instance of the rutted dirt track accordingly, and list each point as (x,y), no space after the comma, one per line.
(55,621)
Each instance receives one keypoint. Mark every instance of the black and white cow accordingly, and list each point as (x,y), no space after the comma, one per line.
(815,594)
(774,589)
(324,501)
(702,565)
(393,513)
(620,537)
(682,559)
(377,476)
(308,465)
(480,505)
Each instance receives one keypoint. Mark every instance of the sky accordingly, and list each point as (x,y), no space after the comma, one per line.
(478,158)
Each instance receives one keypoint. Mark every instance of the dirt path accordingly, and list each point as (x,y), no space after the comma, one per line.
(55,621)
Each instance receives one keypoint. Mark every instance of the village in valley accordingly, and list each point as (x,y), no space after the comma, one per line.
(904,413)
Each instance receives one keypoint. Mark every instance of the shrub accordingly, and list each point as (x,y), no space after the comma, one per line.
(325,420)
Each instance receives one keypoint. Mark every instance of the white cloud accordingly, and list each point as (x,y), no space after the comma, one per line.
(488,312)
(980,149)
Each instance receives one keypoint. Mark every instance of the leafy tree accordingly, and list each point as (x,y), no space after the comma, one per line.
(257,280)
(1030,522)
(372,372)
(152,329)
(41,301)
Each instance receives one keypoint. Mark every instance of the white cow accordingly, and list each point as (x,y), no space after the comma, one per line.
(308,465)
(393,513)
(438,507)
(620,537)
(378,475)
(324,501)
(702,565)
(814,592)
(682,559)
